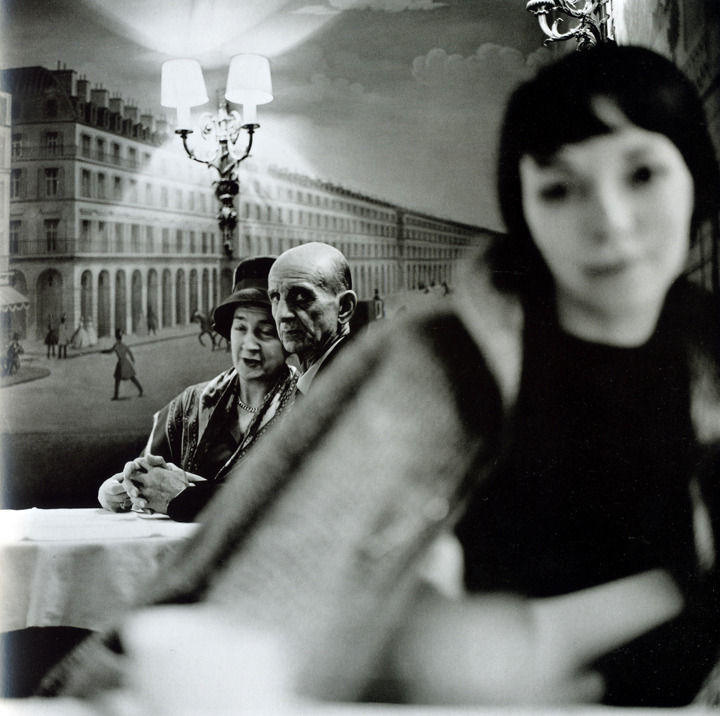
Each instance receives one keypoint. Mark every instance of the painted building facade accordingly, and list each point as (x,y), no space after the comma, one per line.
(110,222)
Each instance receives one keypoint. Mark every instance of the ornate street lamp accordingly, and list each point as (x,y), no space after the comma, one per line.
(594,26)
(248,84)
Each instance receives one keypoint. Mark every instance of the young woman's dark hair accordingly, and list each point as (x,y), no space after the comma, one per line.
(556,108)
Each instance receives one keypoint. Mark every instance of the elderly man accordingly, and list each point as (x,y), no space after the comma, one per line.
(312,300)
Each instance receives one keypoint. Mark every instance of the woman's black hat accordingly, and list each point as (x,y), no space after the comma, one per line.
(250,283)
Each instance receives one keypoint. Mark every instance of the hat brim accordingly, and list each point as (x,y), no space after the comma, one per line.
(224,313)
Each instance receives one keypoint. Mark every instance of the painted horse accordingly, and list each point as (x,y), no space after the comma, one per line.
(206,328)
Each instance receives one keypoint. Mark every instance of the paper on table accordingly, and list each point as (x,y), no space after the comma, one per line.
(84,524)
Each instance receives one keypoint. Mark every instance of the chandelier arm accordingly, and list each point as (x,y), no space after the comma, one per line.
(184,134)
(553,34)
(242,157)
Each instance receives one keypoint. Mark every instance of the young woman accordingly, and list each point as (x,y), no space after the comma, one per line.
(209,427)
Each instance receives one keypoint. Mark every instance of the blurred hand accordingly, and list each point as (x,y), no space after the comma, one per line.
(504,649)
(112,495)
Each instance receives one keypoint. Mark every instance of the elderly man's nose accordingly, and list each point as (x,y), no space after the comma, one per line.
(282,310)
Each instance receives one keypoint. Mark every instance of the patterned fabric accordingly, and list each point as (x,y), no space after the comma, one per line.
(184,431)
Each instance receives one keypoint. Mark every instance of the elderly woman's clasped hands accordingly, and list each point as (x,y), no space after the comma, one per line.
(146,484)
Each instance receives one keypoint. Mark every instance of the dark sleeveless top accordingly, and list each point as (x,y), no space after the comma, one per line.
(594,487)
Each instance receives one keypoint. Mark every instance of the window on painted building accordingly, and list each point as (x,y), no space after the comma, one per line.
(14,237)
(192,242)
(51,182)
(51,143)
(116,153)
(101,149)
(166,241)
(148,194)
(51,229)
(117,188)
(133,191)
(85,183)
(16,145)
(102,186)
(132,157)
(204,242)
(191,201)
(102,236)
(119,243)
(203,205)
(85,232)
(179,241)
(150,239)
(178,199)
(85,145)
(15,183)
(146,159)
(164,196)
(212,243)
(135,238)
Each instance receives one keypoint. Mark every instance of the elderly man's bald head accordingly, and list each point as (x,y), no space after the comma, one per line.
(328,263)
(310,290)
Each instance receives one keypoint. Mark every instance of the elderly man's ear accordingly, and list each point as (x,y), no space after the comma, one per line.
(348,303)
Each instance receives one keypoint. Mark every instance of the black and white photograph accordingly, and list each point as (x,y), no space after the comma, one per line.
(359,356)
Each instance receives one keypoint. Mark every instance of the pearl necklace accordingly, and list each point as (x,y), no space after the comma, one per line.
(247,408)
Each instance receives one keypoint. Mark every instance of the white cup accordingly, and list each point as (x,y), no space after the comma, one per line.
(185,660)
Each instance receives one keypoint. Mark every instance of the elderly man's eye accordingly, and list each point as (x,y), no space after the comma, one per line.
(302,297)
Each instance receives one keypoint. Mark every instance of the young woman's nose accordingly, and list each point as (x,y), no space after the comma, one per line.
(609,212)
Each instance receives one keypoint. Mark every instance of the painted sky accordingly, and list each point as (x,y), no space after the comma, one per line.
(399,99)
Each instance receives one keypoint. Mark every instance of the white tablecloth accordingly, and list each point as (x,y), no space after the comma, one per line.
(78,568)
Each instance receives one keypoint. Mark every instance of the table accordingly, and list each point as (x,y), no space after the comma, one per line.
(78,568)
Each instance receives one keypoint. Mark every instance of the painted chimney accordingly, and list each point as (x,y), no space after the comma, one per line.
(116,105)
(132,114)
(83,90)
(100,97)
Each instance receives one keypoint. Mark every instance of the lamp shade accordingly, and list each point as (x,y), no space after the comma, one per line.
(248,80)
(182,84)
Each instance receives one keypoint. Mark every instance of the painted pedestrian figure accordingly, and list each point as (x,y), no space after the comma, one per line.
(63,338)
(51,338)
(11,361)
(125,368)
(151,321)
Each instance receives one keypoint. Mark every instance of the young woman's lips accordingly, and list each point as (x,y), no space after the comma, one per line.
(609,270)
(251,362)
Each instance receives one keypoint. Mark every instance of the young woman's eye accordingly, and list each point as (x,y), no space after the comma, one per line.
(554,192)
(268,334)
(642,175)
(240,327)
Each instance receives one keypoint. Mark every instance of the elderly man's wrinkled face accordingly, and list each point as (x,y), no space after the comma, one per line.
(306,313)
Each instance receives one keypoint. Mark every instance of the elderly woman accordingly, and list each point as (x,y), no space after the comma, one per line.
(209,427)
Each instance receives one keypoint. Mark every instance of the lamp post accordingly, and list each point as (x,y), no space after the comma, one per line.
(594,26)
(248,84)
